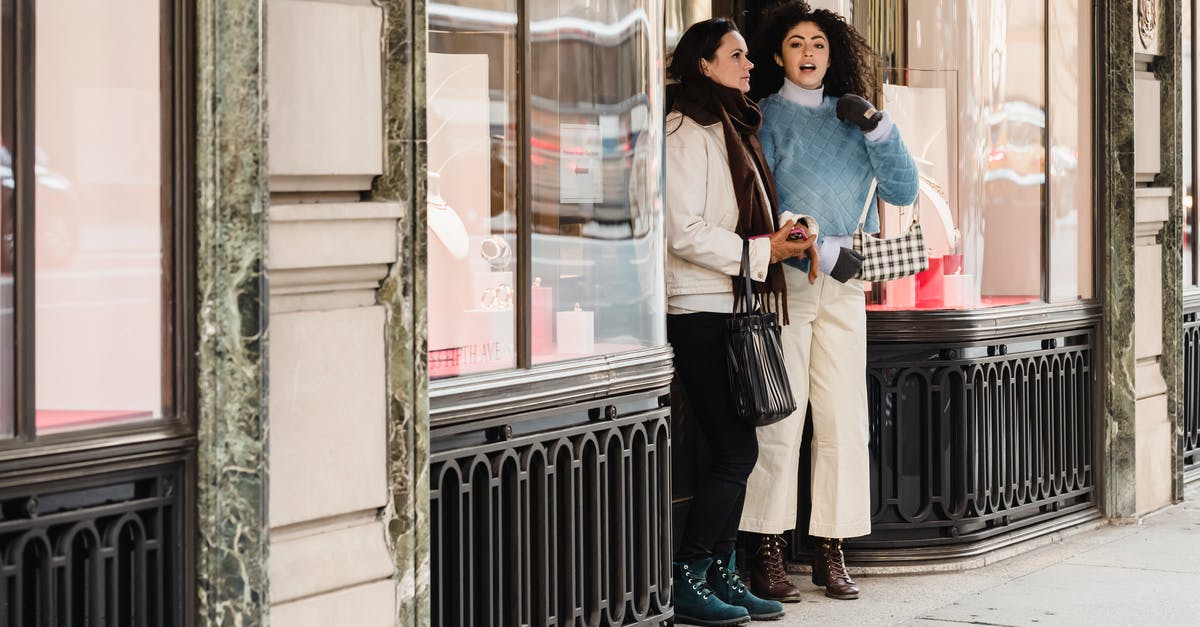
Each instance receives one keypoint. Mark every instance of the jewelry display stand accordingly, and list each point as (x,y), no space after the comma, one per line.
(471,288)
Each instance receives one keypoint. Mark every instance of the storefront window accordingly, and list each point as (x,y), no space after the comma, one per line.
(586,197)
(1190,174)
(89,211)
(1005,165)
(98,213)
(7,208)
(471,77)
(596,138)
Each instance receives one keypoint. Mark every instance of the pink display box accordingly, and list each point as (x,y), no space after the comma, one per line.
(929,286)
(542,314)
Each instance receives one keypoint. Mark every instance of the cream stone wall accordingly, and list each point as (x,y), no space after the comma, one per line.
(327,253)
(1152,425)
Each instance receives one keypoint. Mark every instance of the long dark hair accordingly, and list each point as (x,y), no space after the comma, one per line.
(700,41)
(853,66)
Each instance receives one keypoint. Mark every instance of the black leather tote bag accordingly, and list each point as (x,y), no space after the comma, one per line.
(754,355)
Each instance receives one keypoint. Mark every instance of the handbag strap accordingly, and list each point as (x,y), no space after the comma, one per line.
(745,273)
(862,219)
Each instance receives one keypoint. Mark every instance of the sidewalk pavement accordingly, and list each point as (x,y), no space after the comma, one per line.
(1143,574)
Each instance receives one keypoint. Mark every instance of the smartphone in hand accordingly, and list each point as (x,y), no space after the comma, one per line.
(797,233)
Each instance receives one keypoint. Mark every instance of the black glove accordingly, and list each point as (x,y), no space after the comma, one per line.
(856,110)
(841,263)
(847,265)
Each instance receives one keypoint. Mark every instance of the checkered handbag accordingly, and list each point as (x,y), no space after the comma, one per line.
(894,258)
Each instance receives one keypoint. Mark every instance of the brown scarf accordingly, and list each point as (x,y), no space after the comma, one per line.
(707,102)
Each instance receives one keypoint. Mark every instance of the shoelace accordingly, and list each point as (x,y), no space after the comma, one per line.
(699,583)
(772,548)
(732,576)
(835,562)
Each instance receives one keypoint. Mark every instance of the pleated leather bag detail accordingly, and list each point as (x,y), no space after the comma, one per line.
(754,355)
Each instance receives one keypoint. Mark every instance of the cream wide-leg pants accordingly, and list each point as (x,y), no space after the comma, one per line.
(825,350)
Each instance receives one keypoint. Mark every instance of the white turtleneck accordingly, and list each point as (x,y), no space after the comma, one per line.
(800,95)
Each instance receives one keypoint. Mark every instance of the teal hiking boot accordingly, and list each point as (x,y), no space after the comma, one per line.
(725,582)
(695,603)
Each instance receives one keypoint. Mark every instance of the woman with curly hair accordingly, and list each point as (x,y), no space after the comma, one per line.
(824,143)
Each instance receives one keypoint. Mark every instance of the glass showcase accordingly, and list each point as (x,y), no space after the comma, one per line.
(544,182)
(1005,194)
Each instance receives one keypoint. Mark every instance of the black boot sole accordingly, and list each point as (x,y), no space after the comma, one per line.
(795,598)
(841,597)
(775,616)
(680,619)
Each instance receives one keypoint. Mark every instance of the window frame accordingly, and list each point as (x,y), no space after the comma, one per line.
(177,201)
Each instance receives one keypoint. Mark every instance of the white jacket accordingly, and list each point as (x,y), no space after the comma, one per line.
(703,250)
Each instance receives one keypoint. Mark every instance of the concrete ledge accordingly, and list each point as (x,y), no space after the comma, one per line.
(1016,544)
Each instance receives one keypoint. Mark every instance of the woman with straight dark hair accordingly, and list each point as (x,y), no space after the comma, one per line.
(825,143)
(719,194)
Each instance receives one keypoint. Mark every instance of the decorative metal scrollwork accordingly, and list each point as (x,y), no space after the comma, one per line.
(100,551)
(1191,392)
(967,445)
(567,526)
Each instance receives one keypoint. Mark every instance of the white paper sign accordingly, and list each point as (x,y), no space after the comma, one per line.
(581,163)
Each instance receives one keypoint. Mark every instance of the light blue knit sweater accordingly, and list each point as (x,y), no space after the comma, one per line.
(823,167)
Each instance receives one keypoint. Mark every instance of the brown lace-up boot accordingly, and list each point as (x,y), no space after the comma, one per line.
(829,570)
(768,578)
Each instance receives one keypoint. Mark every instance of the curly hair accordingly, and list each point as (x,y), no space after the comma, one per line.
(853,66)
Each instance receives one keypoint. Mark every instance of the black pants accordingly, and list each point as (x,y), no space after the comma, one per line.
(712,523)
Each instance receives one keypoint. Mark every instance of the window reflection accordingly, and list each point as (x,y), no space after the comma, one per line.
(968,92)
(7,189)
(98,213)
(595,182)
(1189,146)
(471,125)
(594,139)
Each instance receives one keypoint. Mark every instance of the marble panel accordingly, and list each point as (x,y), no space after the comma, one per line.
(403,296)
(1116,205)
(1169,71)
(231,422)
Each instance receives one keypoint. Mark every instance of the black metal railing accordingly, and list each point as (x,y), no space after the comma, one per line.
(565,522)
(102,552)
(973,440)
(1191,394)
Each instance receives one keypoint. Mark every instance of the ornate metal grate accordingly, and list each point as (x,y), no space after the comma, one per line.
(102,552)
(971,441)
(566,523)
(1191,394)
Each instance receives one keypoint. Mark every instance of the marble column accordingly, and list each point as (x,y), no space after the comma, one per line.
(1115,151)
(230,168)
(1168,69)
(403,295)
